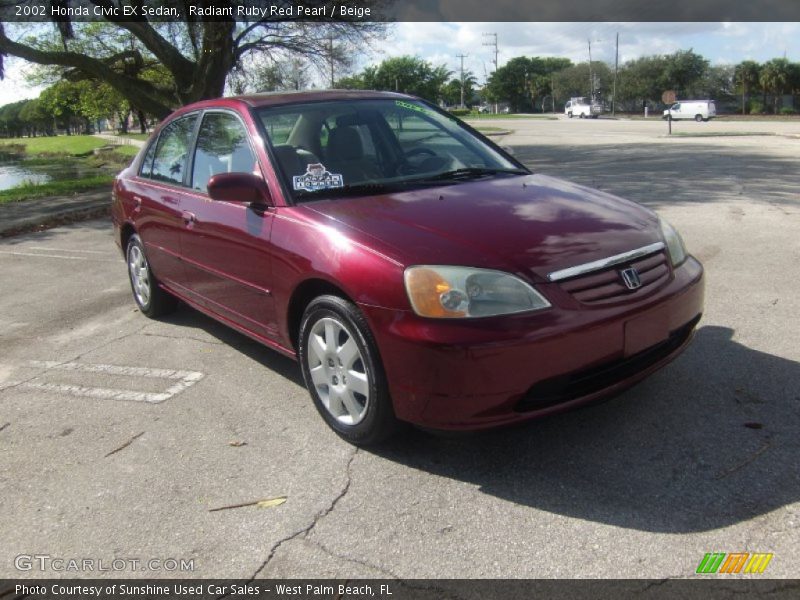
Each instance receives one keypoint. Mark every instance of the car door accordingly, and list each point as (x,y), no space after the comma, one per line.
(157,194)
(226,245)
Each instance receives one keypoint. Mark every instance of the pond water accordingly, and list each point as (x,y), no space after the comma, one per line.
(16,173)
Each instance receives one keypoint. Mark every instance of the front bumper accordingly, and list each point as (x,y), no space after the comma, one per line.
(474,374)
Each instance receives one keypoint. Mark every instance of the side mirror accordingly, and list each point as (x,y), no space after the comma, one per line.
(239,187)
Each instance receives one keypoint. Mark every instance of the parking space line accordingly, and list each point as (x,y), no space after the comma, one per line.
(182,381)
(56,256)
(65,250)
(114,369)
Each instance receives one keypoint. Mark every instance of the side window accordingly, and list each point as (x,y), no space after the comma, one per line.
(169,162)
(222,147)
(147,162)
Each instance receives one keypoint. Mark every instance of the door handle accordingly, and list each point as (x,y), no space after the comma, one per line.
(188,218)
(137,203)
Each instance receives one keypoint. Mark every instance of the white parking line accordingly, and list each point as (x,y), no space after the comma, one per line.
(65,250)
(183,380)
(57,256)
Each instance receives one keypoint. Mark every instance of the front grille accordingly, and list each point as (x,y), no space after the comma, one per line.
(607,287)
(557,390)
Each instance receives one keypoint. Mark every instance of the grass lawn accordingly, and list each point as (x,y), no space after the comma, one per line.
(68,145)
(490,129)
(55,188)
(720,133)
(130,151)
(471,116)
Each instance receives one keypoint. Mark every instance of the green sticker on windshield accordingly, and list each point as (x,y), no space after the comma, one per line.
(409,106)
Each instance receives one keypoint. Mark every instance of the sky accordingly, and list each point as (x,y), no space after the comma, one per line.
(440,43)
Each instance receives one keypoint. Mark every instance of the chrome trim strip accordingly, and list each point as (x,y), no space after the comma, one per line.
(597,265)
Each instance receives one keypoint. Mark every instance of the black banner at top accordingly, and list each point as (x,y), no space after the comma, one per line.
(402,10)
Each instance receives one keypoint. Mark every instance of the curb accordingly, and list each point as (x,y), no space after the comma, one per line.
(39,214)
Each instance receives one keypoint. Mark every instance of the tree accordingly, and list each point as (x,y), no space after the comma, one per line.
(34,118)
(451,91)
(198,54)
(746,75)
(407,74)
(683,71)
(522,79)
(10,122)
(62,103)
(574,81)
(641,80)
(775,77)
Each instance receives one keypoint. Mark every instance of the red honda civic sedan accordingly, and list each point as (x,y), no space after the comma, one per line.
(417,271)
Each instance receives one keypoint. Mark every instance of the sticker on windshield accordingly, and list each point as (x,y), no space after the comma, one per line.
(410,106)
(317,177)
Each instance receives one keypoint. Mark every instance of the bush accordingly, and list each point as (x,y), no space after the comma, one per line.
(755,107)
(788,110)
(459,112)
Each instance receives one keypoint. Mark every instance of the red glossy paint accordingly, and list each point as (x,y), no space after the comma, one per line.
(247,265)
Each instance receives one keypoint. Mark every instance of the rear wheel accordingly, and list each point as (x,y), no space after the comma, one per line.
(151,299)
(343,373)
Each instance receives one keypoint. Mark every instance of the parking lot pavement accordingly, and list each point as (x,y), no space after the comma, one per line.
(119,434)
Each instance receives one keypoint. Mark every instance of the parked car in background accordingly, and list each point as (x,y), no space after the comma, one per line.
(416,271)
(582,108)
(699,110)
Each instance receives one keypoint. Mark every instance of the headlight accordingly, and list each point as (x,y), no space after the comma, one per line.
(459,292)
(677,251)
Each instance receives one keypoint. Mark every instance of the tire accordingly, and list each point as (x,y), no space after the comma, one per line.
(153,301)
(569,115)
(343,372)
(580,115)
(698,118)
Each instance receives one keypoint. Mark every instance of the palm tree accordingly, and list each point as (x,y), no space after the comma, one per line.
(746,75)
(775,78)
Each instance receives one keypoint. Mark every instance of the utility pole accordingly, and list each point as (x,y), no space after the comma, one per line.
(591,74)
(496,53)
(616,67)
(462,57)
(492,43)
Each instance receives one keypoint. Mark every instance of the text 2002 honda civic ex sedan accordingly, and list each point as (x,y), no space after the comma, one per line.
(416,270)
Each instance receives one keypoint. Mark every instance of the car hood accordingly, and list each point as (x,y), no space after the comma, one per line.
(531,224)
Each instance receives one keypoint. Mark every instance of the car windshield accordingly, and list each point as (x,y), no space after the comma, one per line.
(345,147)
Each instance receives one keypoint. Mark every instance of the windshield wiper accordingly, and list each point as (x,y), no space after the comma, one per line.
(470,173)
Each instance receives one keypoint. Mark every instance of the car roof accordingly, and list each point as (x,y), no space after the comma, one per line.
(274,98)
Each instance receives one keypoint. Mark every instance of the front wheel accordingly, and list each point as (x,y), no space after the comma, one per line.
(151,299)
(343,372)
(569,115)
(698,118)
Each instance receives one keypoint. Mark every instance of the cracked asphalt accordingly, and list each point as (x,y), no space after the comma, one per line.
(701,457)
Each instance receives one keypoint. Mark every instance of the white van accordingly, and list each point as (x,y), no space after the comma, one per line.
(580,107)
(699,110)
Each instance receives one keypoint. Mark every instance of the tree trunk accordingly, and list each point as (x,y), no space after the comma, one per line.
(142,121)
